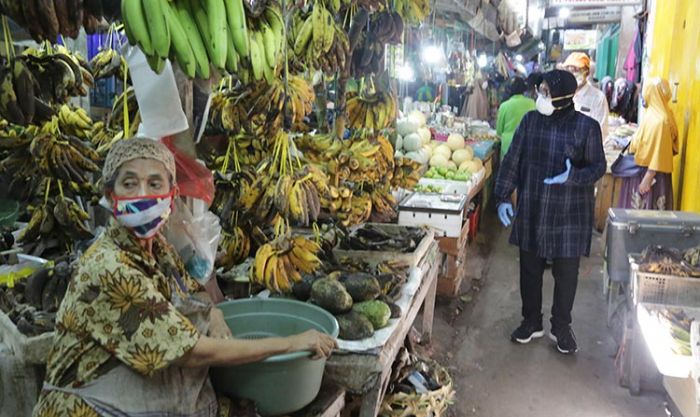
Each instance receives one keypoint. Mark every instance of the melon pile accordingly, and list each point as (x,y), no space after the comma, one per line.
(413,141)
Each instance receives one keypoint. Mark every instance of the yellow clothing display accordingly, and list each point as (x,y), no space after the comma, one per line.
(656,140)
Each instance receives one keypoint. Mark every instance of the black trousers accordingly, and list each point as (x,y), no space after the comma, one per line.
(565,271)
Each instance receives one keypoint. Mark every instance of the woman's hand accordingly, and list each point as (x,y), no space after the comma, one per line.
(320,344)
(647,182)
(218,329)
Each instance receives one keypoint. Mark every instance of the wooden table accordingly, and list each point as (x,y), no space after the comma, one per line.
(368,373)
(606,197)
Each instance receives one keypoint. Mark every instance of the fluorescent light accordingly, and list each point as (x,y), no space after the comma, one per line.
(541,46)
(482,61)
(564,13)
(405,73)
(519,58)
(432,54)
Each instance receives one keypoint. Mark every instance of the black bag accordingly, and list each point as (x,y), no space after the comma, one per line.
(624,166)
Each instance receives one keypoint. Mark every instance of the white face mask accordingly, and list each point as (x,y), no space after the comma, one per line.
(544,105)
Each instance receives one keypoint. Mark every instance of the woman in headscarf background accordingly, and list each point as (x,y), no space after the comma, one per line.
(512,111)
(135,334)
(554,161)
(654,146)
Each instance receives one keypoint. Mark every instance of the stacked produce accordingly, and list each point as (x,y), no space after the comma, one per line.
(406,173)
(47,19)
(361,297)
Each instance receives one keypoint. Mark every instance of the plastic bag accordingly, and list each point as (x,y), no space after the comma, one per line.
(193,178)
(157,95)
(195,233)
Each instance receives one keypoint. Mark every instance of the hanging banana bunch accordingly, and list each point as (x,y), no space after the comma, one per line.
(317,41)
(387,27)
(372,111)
(407,173)
(413,11)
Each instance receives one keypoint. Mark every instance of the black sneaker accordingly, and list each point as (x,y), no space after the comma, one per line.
(565,340)
(526,332)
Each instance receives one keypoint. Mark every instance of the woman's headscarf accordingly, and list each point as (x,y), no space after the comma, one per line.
(562,87)
(656,141)
(129,149)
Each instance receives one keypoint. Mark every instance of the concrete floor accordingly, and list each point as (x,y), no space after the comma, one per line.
(494,377)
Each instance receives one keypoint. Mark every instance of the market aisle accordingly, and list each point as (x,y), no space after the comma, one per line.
(495,377)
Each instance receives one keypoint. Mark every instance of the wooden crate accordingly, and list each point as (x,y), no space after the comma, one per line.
(452,273)
(453,245)
(607,195)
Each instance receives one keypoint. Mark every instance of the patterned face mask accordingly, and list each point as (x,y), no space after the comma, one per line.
(144,215)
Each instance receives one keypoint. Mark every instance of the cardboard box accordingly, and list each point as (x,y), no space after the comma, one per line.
(453,245)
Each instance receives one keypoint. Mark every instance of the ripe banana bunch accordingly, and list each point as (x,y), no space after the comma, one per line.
(231,109)
(63,157)
(60,73)
(357,162)
(407,173)
(279,264)
(235,247)
(387,27)
(318,42)
(295,197)
(266,39)
(359,212)
(413,11)
(229,191)
(339,199)
(62,217)
(383,206)
(368,58)
(319,148)
(17,93)
(46,19)
(107,63)
(75,122)
(116,116)
(374,111)
(102,138)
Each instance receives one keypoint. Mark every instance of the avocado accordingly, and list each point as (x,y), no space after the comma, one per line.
(354,326)
(378,312)
(361,286)
(302,289)
(330,294)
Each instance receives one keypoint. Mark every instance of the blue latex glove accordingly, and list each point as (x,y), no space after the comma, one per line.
(561,178)
(505,213)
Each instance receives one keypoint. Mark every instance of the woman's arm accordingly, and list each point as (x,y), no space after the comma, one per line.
(647,182)
(227,352)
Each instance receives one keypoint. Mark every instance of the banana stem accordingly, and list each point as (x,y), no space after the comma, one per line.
(48,188)
(60,189)
(224,166)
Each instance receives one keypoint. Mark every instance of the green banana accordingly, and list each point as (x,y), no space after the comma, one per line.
(328,30)
(236,20)
(269,45)
(304,37)
(318,28)
(157,27)
(200,17)
(134,19)
(216,14)
(232,57)
(156,63)
(181,47)
(256,57)
(194,38)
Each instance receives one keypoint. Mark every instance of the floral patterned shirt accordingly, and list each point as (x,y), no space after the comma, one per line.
(117,310)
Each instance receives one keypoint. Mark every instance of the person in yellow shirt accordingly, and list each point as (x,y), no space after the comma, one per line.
(654,146)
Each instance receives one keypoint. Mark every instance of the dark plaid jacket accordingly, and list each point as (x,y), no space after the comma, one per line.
(554,221)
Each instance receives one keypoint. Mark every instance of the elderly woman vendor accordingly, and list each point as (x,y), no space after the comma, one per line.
(135,334)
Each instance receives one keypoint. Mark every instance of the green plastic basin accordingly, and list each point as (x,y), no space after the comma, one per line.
(280,384)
